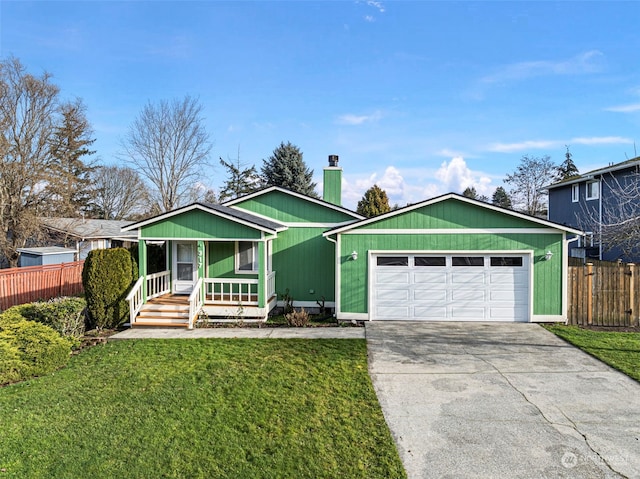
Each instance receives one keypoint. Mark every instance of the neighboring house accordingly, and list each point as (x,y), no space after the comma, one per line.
(448,258)
(88,234)
(580,202)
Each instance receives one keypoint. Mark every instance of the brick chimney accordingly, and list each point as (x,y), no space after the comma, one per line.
(332,186)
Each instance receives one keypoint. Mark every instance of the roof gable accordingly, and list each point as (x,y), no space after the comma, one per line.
(286,206)
(200,220)
(450,212)
(634,163)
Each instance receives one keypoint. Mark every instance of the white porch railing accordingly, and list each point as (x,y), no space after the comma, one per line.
(135,300)
(196,301)
(233,291)
(158,284)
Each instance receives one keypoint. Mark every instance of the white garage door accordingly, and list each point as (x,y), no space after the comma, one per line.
(453,287)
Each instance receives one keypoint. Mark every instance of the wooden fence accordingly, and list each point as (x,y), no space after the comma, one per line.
(33,283)
(603,293)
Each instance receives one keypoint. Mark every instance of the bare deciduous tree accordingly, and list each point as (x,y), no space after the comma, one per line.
(28,112)
(616,223)
(119,193)
(169,146)
(527,183)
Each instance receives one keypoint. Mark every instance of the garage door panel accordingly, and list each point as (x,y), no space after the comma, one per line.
(392,294)
(486,289)
(392,278)
(431,312)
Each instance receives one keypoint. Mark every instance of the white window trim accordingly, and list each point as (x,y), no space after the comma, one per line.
(575,192)
(597,190)
(255,260)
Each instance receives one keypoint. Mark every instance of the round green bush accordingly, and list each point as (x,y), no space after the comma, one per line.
(29,348)
(107,276)
(66,315)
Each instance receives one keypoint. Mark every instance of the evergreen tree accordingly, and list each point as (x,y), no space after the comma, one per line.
(470,192)
(240,181)
(567,168)
(501,198)
(69,188)
(374,202)
(286,168)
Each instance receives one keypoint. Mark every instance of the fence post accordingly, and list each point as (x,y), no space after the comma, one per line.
(589,293)
(632,294)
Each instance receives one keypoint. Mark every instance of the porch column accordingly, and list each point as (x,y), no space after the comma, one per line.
(262,274)
(142,267)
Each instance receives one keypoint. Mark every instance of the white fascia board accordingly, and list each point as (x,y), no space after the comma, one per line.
(453,231)
(197,206)
(464,199)
(297,195)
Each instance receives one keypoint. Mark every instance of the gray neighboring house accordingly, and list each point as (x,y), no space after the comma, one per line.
(573,202)
(45,255)
(85,235)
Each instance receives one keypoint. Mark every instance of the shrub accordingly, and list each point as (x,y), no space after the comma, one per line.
(29,349)
(107,276)
(299,319)
(66,315)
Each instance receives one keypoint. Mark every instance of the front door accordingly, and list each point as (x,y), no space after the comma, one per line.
(185,266)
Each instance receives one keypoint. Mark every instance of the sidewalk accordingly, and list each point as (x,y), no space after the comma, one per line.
(280,333)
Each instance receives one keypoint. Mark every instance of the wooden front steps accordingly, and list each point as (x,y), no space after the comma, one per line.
(166,311)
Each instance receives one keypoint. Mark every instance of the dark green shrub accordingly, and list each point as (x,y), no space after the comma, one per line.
(107,276)
(66,315)
(29,349)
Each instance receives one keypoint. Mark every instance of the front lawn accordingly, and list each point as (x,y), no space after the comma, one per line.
(619,350)
(205,408)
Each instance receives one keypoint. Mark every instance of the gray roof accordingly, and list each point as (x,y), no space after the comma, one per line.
(90,228)
(632,163)
(259,222)
(46,250)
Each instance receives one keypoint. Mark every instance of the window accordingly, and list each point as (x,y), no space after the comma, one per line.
(467,261)
(575,192)
(393,261)
(505,261)
(247,257)
(593,190)
(430,261)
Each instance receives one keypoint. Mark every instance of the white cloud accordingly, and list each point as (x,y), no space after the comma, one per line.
(452,176)
(631,108)
(587,62)
(376,4)
(369,18)
(551,144)
(351,119)
(456,176)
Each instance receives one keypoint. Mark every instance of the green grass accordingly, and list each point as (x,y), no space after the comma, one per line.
(208,408)
(619,350)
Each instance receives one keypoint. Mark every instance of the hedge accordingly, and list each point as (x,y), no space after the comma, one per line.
(66,315)
(107,276)
(29,349)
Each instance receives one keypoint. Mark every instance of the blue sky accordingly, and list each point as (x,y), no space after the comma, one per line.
(419,97)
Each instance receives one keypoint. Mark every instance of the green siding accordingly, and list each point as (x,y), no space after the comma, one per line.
(547,276)
(221,261)
(332,185)
(286,208)
(198,224)
(451,214)
(304,260)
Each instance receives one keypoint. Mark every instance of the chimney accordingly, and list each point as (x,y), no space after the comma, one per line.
(333,182)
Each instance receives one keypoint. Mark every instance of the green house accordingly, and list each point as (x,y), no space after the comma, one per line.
(448,258)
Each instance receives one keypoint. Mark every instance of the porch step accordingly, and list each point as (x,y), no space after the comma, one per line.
(161,323)
(164,315)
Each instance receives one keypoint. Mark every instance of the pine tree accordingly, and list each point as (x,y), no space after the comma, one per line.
(286,168)
(240,181)
(70,186)
(567,168)
(470,192)
(501,198)
(374,202)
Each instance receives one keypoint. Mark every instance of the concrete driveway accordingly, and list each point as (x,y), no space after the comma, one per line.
(494,400)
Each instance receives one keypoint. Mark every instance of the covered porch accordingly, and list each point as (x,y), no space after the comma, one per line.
(217,265)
